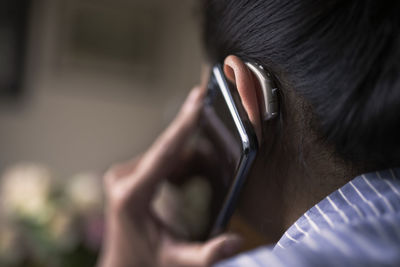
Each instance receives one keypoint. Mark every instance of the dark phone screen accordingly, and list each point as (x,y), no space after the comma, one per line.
(215,160)
(218,128)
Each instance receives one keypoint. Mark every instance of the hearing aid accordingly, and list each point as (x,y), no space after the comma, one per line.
(269,101)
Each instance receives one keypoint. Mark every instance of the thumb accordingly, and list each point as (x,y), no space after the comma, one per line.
(200,255)
(222,247)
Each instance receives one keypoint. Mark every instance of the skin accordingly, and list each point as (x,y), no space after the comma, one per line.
(293,172)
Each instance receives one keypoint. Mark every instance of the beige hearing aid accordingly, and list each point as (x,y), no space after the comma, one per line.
(269,101)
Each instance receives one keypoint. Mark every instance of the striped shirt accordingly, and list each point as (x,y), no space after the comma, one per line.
(357,225)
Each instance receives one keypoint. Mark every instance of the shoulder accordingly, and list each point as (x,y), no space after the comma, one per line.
(371,242)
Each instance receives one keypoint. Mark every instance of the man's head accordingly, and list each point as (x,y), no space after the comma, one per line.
(336,64)
(341,57)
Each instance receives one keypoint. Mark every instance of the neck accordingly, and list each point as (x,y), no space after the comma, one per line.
(293,171)
(282,188)
(305,186)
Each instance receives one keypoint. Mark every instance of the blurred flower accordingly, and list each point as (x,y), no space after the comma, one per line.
(46,220)
(24,191)
(62,229)
(10,249)
(85,192)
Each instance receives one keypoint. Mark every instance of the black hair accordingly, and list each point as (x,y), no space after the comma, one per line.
(341,56)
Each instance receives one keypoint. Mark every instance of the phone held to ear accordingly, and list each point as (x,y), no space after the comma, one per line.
(228,146)
(229,130)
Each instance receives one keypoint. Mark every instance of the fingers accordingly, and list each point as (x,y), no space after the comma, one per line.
(199,255)
(121,170)
(221,247)
(161,158)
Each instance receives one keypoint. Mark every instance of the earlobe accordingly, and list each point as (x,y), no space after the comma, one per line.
(238,73)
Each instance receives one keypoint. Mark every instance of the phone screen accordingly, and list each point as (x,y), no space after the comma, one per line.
(225,146)
(218,127)
(226,127)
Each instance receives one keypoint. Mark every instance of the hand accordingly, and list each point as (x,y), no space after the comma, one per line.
(134,235)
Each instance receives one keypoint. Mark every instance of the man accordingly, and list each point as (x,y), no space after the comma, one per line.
(324,189)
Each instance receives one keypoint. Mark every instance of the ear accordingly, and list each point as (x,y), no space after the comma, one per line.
(238,73)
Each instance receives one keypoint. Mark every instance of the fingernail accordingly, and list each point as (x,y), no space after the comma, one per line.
(232,245)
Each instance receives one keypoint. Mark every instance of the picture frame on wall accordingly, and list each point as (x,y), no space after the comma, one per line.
(13,43)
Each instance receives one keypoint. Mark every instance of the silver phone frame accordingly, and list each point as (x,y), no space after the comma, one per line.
(249,150)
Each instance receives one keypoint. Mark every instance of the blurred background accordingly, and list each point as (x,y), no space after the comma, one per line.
(83,84)
(88,82)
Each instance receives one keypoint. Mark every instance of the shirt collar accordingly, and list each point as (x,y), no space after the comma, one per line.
(368,195)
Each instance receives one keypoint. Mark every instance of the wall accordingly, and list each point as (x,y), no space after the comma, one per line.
(84,113)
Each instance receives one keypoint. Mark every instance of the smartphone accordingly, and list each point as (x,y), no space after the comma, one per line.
(226,126)
(198,200)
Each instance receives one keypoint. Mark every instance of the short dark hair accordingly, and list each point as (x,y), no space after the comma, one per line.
(342,56)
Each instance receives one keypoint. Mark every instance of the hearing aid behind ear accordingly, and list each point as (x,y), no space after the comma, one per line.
(269,101)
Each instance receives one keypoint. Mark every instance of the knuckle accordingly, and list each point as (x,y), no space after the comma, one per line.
(125,196)
(119,200)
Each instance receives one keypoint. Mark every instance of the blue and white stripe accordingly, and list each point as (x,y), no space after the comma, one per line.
(357,225)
